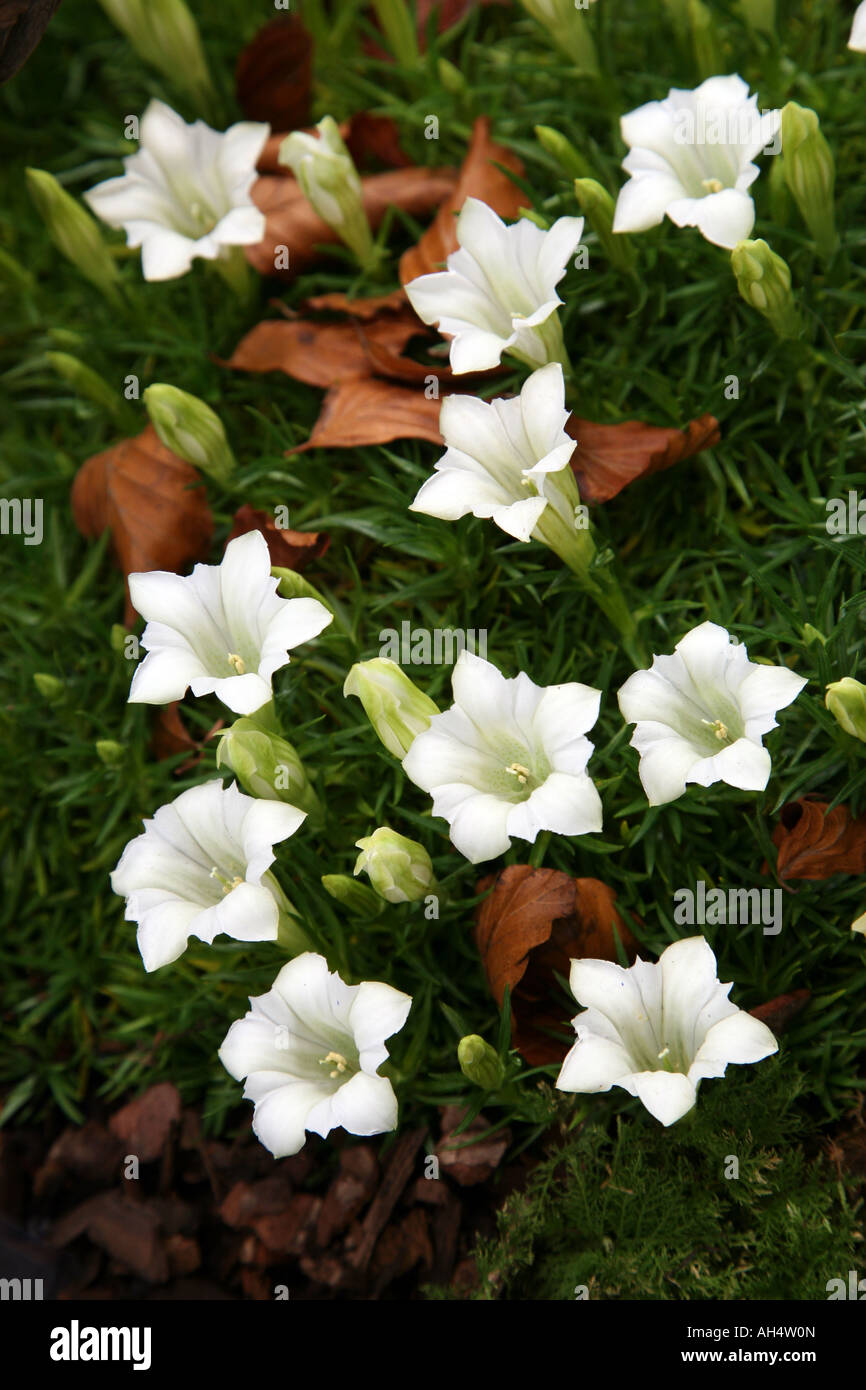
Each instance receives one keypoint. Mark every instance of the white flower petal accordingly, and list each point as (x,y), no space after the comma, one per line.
(667,1095)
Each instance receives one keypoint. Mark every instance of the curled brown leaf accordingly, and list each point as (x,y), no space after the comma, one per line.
(814,842)
(609,457)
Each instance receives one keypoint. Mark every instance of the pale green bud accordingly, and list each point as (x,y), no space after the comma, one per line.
(323,167)
(811,634)
(86,382)
(451,77)
(49,687)
(74,232)
(294,585)
(394,705)
(807,161)
(266,765)
(598,207)
(109,752)
(357,897)
(764,281)
(399,869)
(165,34)
(846,701)
(554,143)
(479,1062)
(190,429)
(566,23)
(860,924)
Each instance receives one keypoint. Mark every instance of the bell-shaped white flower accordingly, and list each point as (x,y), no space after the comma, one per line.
(185,192)
(508,758)
(309,1051)
(701,714)
(201,868)
(498,293)
(221,630)
(658,1030)
(857,41)
(690,158)
(507,459)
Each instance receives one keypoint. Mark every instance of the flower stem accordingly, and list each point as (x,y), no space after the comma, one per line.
(236,271)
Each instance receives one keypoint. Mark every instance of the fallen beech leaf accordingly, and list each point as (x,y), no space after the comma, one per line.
(534,923)
(274,75)
(468,1162)
(292,223)
(144,1124)
(170,736)
(815,844)
(478,178)
(151,501)
(375,137)
(321,354)
(609,457)
(369,308)
(290,550)
(777,1013)
(365,410)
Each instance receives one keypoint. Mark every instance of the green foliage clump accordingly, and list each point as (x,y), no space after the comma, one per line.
(635,1211)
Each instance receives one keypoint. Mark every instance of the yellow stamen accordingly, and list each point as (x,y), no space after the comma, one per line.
(238,663)
(341,1064)
(519,771)
(712,185)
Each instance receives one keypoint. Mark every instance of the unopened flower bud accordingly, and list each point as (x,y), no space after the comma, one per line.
(394,705)
(324,169)
(399,869)
(266,765)
(554,143)
(109,752)
(190,429)
(49,687)
(807,161)
(764,281)
(598,207)
(294,585)
(566,23)
(73,231)
(86,382)
(479,1062)
(357,897)
(165,34)
(846,701)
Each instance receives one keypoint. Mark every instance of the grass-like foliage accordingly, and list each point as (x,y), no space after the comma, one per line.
(644,1213)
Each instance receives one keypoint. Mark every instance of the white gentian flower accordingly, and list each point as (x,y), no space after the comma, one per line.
(221,630)
(701,714)
(498,293)
(690,158)
(310,1050)
(201,868)
(508,758)
(857,40)
(185,192)
(508,460)
(323,167)
(658,1030)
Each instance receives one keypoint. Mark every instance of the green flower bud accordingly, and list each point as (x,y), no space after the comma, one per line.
(190,429)
(598,207)
(109,752)
(74,232)
(811,634)
(397,21)
(399,869)
(567,25)
(479,1062)
(357,897)
(49,687)
(294,585)
(807,161)
(165,34)
(86,382)
(266,765)
(554,143)
(860,924)
(394,705)
(764,281)
(451,77)
(846,701)
(324,169)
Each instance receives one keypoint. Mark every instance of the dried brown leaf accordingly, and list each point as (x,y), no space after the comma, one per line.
(815,843)
(609,457)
